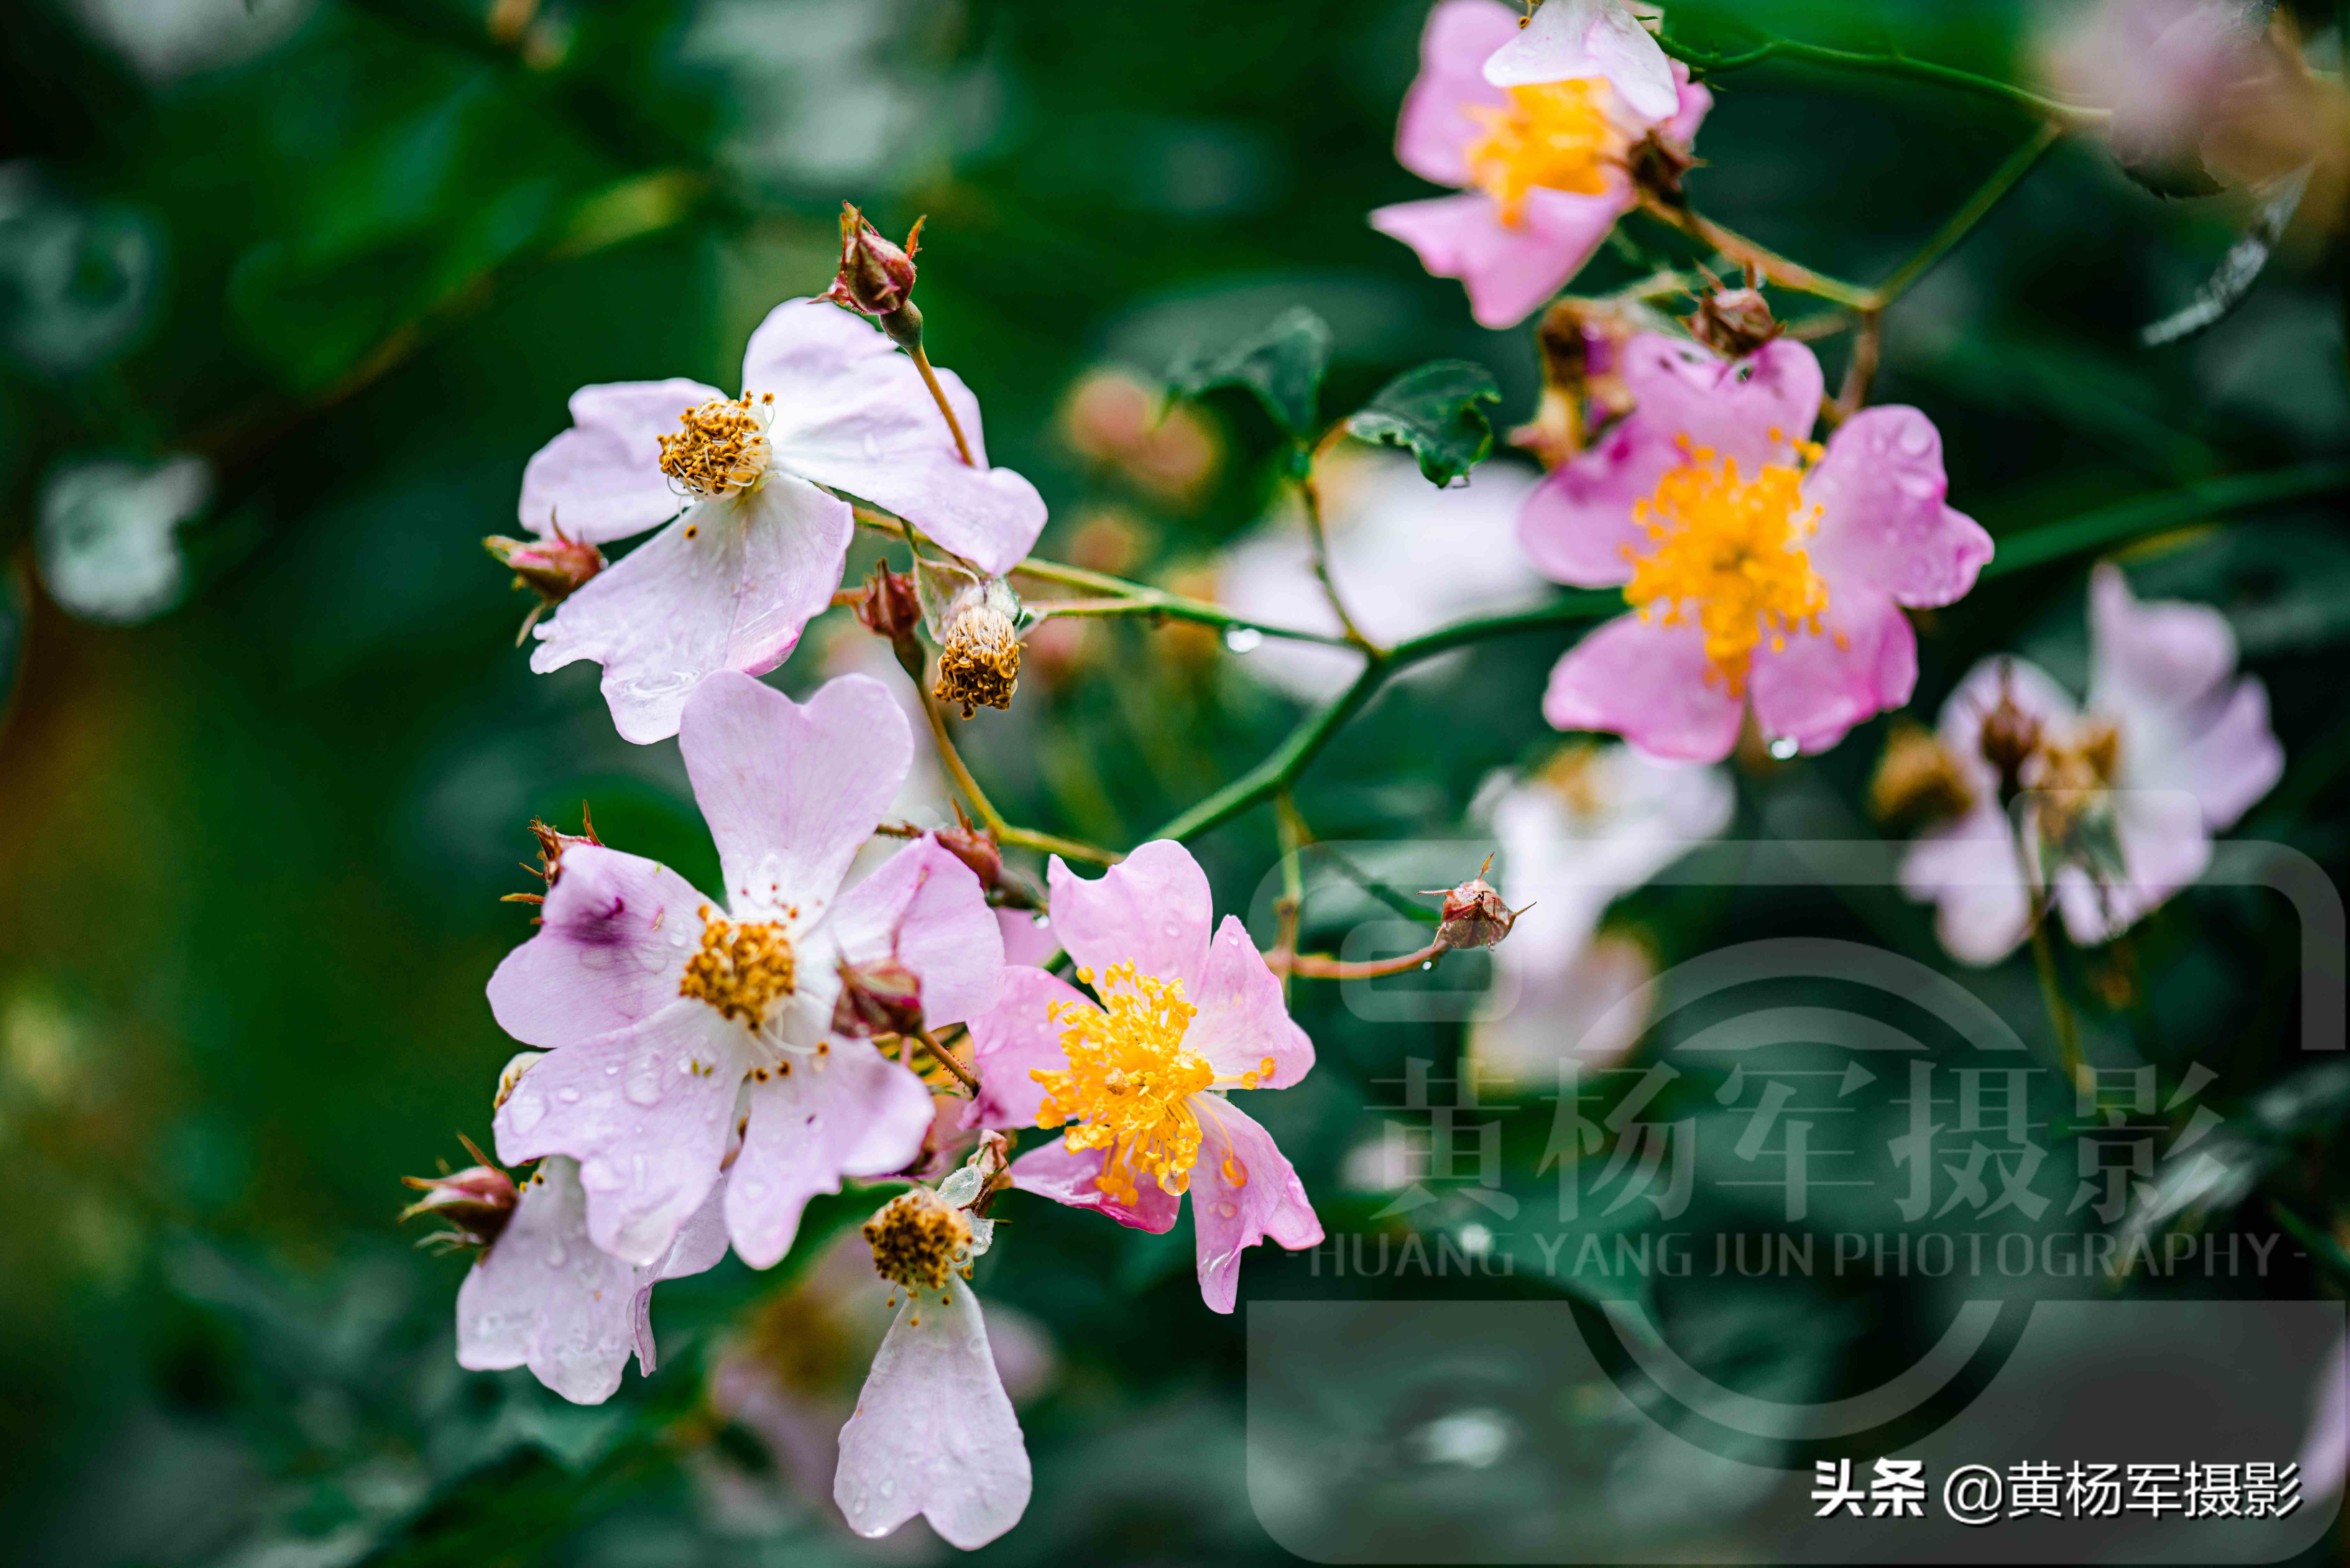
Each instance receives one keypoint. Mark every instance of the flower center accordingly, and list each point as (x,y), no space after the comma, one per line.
(1556,135)
(742,969)
(1729,555)
(979,661)
(722,448)
(918,1240)
(1129,1081)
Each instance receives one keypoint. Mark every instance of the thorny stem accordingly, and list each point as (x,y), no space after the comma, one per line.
(1867,339)
(1895,64)
(947,1059)
(1322,966)
(1773,268)
(938,393)
(1046,843)
(1291,903)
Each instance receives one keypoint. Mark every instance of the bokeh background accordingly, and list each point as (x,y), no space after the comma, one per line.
(264,778)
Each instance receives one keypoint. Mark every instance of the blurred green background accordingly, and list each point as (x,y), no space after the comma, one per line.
(257,806)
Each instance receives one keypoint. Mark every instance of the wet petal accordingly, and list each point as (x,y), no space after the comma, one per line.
(814,1120)
(934,1433)
(1590,39)
(2164,848)
(1244,1019)
(601,479)
(729,586)
(614,934)
(1073,1178)
(1509,269)
(1879,488)
(925,908)
(1968,870)
(1752,409)
(1577,527)
(1243,1191)
(544,1298)
(1650,683)
(1013,1039)
(1861,662)
(697,1249)
(1152,909)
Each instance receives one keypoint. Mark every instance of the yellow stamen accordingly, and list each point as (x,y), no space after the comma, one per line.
(741,969)
(1729,555)
(1130,1082)
(918,1240)
(1556,135)
(722,448)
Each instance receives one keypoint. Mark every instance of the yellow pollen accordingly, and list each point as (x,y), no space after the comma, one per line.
(722,448)
(1128,1085)
(979,661)
(918,1240)
(741,968)
(1556,135)
(1730,557)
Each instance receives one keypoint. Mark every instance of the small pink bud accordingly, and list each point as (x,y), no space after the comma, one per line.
(876,277)
(880,996)
(1732,322)
(975,848)
(554,568)
(474,1204)
(1474,915)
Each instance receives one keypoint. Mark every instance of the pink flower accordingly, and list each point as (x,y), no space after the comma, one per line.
(1759,565)
(2171,748)
(1139,1078)
(754,547)
(1534,128)
(658,1004)
(2173,72)
(544,1297)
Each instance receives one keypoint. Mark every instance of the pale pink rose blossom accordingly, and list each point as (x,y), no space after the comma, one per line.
(752,493)
(1534,128)
(544,1297)
(2170,70)
(1206,1011)
(672,1017)
(1766,569)
(2175,743)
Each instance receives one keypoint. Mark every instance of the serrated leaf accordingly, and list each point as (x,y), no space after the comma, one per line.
(1433,410)
(1281,365)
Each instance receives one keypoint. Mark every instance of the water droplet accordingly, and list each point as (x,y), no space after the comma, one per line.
(1916,437)
(1228,1209)
(557,1255)
(1428,963)
(525,1111)
(1243,638)
(1785,746)
(569,1096)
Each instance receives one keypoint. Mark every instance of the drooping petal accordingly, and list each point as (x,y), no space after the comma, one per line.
(1509,269)
(1073,1178)
(1577,527)
(1968,869)
(1589,38)
(612,941)
(1650,683)
(1153,910)
(1013,1039)
(1879,489)
(1861,662)
(2164,848)
(646,1111)
(1244,1019)
(792,791)
(815,1119)
(700,1245)
(1243,1191)
(852,414)
(1753,409)
(601,479)
(925,908)
(729,586)
(934,1433)
(544,1297)
(1434,127)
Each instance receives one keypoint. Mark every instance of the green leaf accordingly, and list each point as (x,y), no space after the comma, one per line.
(1433,410)
(1283,366)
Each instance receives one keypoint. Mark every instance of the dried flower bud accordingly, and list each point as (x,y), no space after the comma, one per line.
(1582,343)
(888,608)
(552,842)
(1658,165)
(876,277)
(981,661)
(918,1240)
(1732,322)
(473,1203)
(2009,738)
(554,568)
(1474,915)
(879,996)
(975,848)
(1918,783)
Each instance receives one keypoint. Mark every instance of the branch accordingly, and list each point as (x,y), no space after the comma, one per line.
(1047,843)
(1888,65)
(2128,520)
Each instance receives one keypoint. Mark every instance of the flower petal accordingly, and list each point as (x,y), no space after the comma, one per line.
(1968,870)
(848,1112)
(1577,526)
(2166,654)
(1267,1202)
(1244,1019)
(1692,102)
(793,791)
(2232,763)
(1589,38)
(1153,910)
(1879,488)
(1509,269)
(697,1249)
(2164,848)
(934,1433)
(1013,1039)
(544,1298)
(728,586)
(852,414)
(1861,662)
(646,1110)
(1650,683)
(1752,409)
(609,949)
(1028,938)
(1434,128)
(1071,1176)
(925,907)
(601,479)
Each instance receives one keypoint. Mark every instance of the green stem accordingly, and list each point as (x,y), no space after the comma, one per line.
(1169,606)
(1888,65)
(2128,520)
(2004,179)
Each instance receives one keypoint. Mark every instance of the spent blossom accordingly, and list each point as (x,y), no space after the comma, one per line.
(2120,797)
(752,489)
(663,1008)
(1760,568)
(1538,131)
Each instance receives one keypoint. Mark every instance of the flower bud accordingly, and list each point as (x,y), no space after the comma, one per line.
(1474,915)
(1582,343)
(1732,322)
(975,848)
(1657,164)
(1918,783)
(888,608)
(879,996)
(876,277)
(554,568)
(473,1203)
(2009,738)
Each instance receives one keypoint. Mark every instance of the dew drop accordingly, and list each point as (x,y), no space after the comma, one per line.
(1228,1209)
(1243,638)
(569,1096)
(1785,746)
(1428,963)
